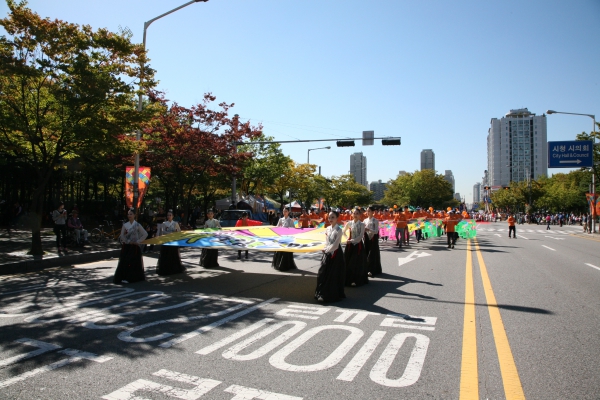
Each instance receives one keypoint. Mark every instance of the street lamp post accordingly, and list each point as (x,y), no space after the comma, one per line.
(593,117)
(308,152)
(136,172)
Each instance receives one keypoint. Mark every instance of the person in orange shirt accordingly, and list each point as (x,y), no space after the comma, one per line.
(408,216)
(401,227)
(450,226)
(244,221)
(304,220)
(511,226)
(418,214)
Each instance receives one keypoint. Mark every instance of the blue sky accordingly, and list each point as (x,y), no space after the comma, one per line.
(431,72)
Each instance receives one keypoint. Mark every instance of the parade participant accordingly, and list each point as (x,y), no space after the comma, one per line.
(59,216)
(407,216)
(169,261)
(354,254)
(210,257)
(304,220)
(332,274)
(244,221)
(416,215)
(75,223)
(511,226)
(284,260)
(401,228)
(371,240)
(131,265)
(450,227)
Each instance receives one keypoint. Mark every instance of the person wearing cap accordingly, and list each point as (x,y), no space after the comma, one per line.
(210,257)
(450,226)
(511,226)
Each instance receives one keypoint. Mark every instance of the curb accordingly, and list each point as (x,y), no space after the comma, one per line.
(21,267)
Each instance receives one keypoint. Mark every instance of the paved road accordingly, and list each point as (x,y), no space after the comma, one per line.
(493,318)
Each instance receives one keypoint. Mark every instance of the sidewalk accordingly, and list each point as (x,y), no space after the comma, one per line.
(14,258)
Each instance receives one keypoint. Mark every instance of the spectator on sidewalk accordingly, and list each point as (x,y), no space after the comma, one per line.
(59,216)
(75,223)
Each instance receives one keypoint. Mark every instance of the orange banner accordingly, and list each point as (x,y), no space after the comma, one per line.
(593,203)
(143,182)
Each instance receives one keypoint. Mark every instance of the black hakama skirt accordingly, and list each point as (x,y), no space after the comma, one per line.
(209,258)
(331,277)
(169,261)
(283,261)
(356,264)
(131,265)
(373,254)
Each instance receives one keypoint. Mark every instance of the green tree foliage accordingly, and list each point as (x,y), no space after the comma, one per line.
(267,164)
(65,90)
(421,188)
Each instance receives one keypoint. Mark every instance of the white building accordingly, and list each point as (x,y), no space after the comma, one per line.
(427,159)
(358,168)
(457,197)
(449,177)
(378,188)
(476,193)
(517,147)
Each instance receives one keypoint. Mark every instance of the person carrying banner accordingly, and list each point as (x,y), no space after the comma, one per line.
(371,240)
(131,264)
(169,261)
(244,221)
(210,257)
(354,254)
(332,273)
(284,260)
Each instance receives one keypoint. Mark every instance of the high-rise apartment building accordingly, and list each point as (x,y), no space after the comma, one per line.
(476,193)
(427,159)
(378,189)
(358,168)
(517,147)
(449,177)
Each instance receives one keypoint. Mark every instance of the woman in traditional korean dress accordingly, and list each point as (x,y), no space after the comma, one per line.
(355,254)
(371,241)
(131,264)
(210,257)
(169,261)
(283,260)
(332,274)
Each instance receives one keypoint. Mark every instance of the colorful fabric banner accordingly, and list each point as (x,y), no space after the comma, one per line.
(263,238)
(143,183)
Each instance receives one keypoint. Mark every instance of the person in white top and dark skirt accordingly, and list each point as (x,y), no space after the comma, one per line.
(332,273)
(210,257)
(371,241)
(131,265)
(283,260)
(355,254)
(169,261)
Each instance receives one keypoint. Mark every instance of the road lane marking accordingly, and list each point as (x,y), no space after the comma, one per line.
(549,248)
(523,237)
(508,369)
(360,358)
(593,266)
(469,380)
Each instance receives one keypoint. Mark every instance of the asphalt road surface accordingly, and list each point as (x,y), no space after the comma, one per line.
(493,318)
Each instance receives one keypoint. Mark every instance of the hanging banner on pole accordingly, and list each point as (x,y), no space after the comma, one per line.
(143,182)
(593,203)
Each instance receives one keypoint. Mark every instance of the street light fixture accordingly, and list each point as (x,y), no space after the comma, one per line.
(136,172)
(318,148)
(593,117)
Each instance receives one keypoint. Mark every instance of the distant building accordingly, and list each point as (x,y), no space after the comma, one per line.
(378,188)
(457,196)
(427,159)
(517,148)
(402,173)
(358,168)
(449,177)
(476,193)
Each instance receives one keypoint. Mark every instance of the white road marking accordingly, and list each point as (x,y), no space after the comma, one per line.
(550,248)
(43,347)
(278,359)
(302,312)
(232,338)
(497,234)
(411,257)
(206,328)
(360,358)
(523,237)
(412,372)
(233,353)
(593,266)
(553,237)
(246,393)
(359,317)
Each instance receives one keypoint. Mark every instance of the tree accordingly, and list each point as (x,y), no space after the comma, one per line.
(266,165)
(592,136)
(421,188)
(283,183)
(65,90)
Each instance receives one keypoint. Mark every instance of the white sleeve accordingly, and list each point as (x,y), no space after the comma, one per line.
(360,235)
(122,236)
(330,248)
(177,228)
(142,234)
(279,223)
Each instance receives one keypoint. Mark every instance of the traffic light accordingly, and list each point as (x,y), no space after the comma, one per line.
(391,142)
(345,143)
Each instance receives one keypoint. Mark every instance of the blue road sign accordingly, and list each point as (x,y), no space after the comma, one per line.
(571,154)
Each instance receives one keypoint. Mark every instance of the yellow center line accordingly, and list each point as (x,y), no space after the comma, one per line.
(469,380)
(510,377)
